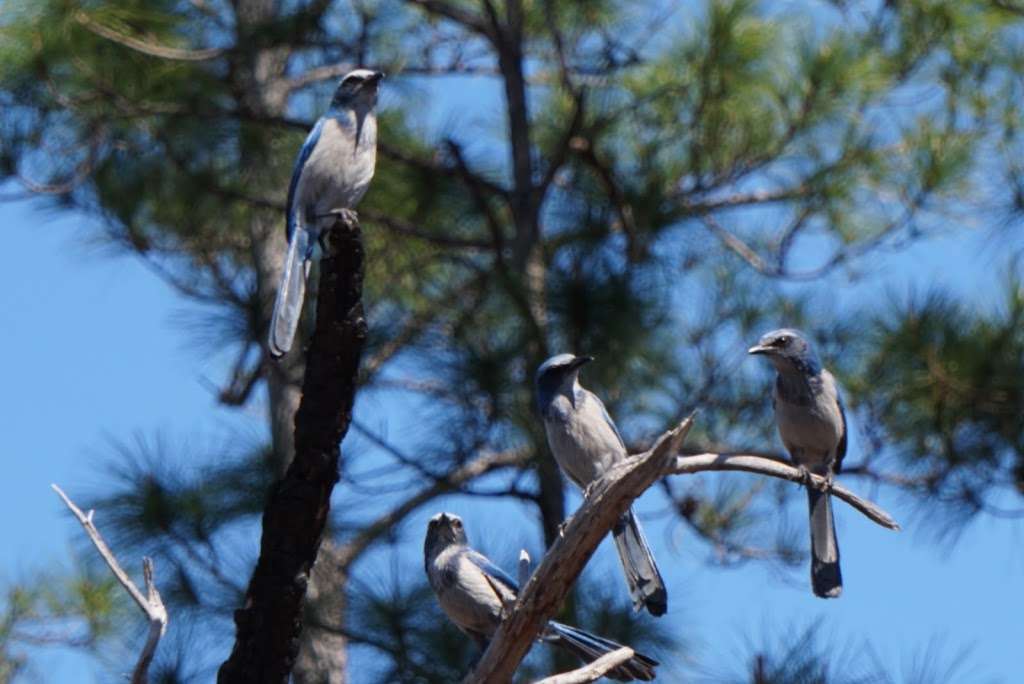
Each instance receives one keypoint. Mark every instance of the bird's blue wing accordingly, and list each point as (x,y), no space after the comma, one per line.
(841,448)
(608,419)
(493,571)
(300,161)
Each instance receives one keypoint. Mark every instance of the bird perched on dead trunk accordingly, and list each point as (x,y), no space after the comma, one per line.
(332,172)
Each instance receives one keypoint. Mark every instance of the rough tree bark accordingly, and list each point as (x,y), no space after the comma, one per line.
(269,624)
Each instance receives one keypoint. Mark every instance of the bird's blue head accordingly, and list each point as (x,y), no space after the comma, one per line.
(358,90)
(558,374)
(443,530)
(788,350)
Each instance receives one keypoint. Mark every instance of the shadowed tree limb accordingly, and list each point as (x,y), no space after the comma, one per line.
(452,481)
(269,624)
(151,604)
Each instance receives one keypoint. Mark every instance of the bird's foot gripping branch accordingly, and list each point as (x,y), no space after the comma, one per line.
(613,494)
(269,623)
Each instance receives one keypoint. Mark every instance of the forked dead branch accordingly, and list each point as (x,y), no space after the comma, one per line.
(151,604)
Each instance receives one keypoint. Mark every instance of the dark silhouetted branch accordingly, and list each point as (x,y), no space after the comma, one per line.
(457,478)
(269,624)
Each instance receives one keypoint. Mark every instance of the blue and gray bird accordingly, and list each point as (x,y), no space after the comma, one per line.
(473,593)
(586,443)
(331,174)
(812,424)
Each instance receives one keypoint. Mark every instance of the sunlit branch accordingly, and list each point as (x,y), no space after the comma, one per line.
(151,604)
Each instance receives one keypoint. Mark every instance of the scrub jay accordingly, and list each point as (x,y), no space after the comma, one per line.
(812,424)
(473,592)
(331,175)
(586,443)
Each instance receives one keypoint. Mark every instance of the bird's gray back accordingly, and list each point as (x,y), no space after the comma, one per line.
(465,595)
(810,419)
(340,169)
(582,439)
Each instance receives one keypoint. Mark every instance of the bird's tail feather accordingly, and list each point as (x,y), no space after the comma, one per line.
(589,647)
(290,292)
(646,587)
(826,579)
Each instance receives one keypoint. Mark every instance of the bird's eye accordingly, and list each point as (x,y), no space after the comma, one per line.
(456,523)
(781,341)
(351,80)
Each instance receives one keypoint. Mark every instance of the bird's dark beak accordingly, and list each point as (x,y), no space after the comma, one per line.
(580,361)
(759,349)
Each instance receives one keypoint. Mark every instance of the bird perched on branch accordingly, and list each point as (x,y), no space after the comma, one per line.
(473,593)
(586,443)
(331,174)
(812,424)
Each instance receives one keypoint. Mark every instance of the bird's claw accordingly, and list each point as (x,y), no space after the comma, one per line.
(347,217)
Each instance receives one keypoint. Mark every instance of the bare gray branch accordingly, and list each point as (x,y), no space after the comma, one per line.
(151,604)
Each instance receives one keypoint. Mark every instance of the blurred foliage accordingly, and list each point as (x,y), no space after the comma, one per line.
(951,414)
(643,181)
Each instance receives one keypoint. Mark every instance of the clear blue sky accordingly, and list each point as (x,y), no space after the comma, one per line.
(94,354)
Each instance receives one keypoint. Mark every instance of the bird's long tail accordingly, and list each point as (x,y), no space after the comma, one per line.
(826,579)
(589,647)
(646,587)
(291,292)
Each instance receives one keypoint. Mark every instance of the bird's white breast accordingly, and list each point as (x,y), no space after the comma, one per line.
(340,169)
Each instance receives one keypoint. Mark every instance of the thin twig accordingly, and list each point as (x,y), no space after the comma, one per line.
(151,604)
(592,671)
(608,498)
(146,48)
(765,466)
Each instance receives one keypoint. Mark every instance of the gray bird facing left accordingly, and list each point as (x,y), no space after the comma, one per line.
(812,424)
(473,591)
(586,443)
(332,172)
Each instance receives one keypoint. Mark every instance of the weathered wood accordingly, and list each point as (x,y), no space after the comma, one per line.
(538,601)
